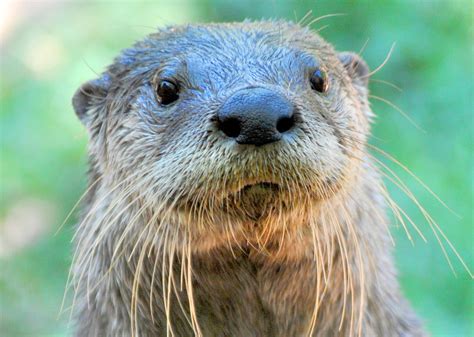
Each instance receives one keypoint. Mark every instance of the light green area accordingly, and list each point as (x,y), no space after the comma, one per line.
(43,145)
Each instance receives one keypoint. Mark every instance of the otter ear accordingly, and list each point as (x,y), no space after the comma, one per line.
(356,67)
(90,97)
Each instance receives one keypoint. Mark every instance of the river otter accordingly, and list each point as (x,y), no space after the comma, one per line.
(231,191)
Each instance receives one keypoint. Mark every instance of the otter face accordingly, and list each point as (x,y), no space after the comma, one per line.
(241,121)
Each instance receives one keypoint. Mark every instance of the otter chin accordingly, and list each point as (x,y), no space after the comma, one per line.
(231,192)
(257,200)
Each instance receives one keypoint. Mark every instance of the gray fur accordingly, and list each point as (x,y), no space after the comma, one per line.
(169,235)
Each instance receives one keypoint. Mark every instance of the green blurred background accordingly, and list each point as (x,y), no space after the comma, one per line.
(49,48)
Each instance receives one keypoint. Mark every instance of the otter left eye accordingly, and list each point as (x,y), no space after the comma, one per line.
(167,92)
(319,81)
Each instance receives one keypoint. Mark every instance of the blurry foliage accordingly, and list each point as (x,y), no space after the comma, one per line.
(43,145)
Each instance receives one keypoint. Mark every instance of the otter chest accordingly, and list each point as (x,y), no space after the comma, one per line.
(245,296)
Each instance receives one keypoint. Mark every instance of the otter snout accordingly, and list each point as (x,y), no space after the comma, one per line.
(256,116)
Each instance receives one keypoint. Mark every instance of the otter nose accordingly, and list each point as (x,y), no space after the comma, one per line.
(255,116)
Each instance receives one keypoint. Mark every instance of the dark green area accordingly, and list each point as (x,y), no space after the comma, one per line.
(43,145)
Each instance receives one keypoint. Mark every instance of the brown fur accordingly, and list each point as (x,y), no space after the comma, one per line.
(171,243)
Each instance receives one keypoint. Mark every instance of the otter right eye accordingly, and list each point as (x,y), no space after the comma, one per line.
(167,92)
(319,81)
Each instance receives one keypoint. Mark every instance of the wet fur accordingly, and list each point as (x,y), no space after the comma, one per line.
(170,242)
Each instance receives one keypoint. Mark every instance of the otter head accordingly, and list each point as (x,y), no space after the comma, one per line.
(228,126)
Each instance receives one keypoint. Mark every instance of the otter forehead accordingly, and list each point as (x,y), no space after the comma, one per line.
(274,64)
(228,52)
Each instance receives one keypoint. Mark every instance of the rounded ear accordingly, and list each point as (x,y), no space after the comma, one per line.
(356,67)
(90,96)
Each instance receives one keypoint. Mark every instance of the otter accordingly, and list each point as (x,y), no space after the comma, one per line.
(231,192)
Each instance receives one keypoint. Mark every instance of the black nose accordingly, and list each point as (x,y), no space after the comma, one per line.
(255,116)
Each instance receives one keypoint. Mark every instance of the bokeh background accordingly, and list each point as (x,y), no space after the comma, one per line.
(49,48)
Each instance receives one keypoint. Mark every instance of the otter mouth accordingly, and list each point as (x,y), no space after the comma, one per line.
(256,199)
(263,186)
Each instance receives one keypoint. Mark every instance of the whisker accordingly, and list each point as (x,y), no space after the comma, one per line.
(434,226)
(362,49)
(403,113)
(430,191)
(376,70)
(390,84)
(301,21)
(78,202)
(322,17)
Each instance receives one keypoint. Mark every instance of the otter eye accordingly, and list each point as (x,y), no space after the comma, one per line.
(319,81)
(167,92)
